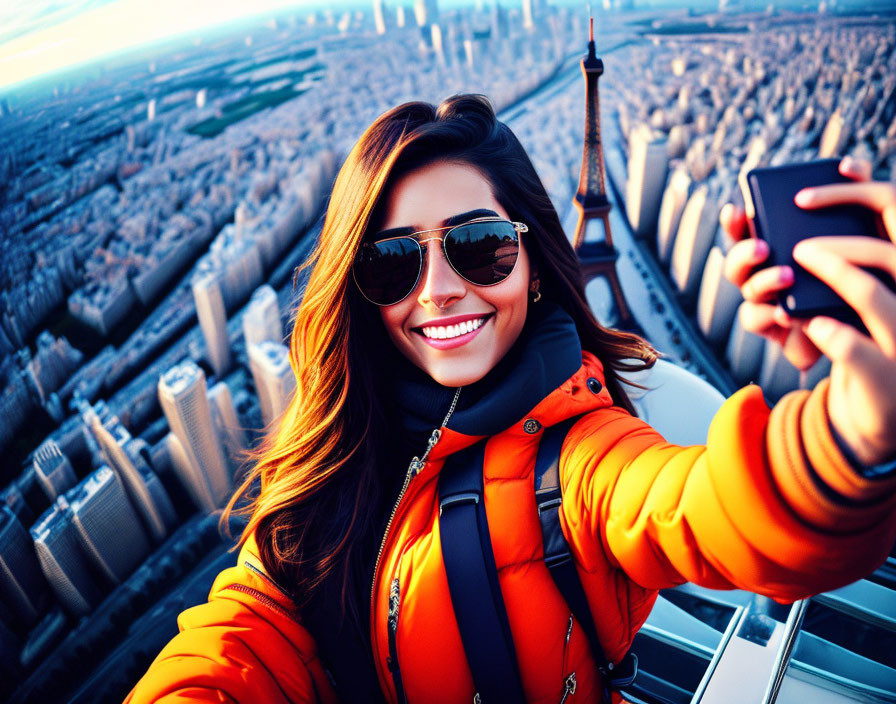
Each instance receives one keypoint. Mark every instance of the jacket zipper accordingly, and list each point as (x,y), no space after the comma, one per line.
(413,469)
(569,682)
(263,598)
(392,662)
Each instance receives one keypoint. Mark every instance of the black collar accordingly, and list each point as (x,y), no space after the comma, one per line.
(547,353)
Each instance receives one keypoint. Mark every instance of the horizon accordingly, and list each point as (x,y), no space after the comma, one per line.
(41,40)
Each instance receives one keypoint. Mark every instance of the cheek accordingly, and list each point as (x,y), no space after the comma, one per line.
(393,318)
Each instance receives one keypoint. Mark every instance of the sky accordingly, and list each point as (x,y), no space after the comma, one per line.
(38,37)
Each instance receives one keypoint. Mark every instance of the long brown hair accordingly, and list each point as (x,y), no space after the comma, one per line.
(314,489)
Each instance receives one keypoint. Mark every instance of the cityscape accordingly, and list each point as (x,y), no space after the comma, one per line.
(158,206)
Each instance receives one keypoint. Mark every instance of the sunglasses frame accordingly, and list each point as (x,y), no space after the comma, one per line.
(518,227)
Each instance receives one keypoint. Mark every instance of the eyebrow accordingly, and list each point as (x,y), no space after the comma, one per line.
(447,222)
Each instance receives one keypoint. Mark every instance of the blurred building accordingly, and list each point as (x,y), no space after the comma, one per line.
(129,459)
(261,319)
(107,526)
(23,589)
(274,378)
(53,470)
(648,165)
(199,457)
(212,316)
(63,561)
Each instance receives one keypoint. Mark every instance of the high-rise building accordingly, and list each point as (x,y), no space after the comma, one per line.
(107,526)
(378,18)
(717,301)
(274,378)
(142,485)
(227,425)
(261,319)
(648,165)
(62,560)
(696,233)
(675,197)
(528,15)
(426,12)
(53,470)
(213,321)
(23,588)
(184,400)
(190,477)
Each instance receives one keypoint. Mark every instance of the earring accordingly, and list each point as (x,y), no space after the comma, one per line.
(533,290)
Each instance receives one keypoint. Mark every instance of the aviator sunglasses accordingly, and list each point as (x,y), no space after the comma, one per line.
(482,251)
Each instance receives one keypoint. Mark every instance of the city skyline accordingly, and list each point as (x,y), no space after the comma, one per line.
(156,216)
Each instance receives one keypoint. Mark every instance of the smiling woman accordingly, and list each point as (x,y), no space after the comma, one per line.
(417,325)
(444,328)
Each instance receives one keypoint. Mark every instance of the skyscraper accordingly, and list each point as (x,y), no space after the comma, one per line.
(107,527)
(647,168)
(227,425)
(141,484)
(22,585)
(261,319)
(696,233)
(184,400)
(62,560)
(188,474)
(378,19)
(674,199)
(53,470)
(274,378)
(597,256)
(213,321)
(426,12)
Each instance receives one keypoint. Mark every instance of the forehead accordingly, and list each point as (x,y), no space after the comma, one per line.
(424,197)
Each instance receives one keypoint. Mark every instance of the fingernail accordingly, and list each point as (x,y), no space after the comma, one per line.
(760,249)
(804,197)
(786,275)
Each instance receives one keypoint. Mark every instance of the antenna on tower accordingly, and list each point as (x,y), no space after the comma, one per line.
(590,27)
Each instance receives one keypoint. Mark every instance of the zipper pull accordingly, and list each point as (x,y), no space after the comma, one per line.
(415,466)
(434,438)
(394,601)
(570,687)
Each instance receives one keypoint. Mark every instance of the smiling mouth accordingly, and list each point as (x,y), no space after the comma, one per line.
(447,332)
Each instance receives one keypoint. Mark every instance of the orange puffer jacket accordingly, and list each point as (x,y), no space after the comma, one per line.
(769,505)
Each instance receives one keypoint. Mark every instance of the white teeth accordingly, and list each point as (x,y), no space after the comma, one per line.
(443,333)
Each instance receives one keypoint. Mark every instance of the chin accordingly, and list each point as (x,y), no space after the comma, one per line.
(454,375)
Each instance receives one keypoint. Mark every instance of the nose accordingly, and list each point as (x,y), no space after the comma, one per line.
(442,286)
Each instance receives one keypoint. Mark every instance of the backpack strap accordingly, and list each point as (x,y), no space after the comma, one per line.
(559,560)
(473,580)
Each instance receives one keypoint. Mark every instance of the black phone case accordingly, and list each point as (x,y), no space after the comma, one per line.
(782,223)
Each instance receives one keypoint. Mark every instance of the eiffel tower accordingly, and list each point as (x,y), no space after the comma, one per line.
(597,257)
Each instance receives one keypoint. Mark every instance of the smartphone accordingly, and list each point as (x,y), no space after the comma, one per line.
(782,223)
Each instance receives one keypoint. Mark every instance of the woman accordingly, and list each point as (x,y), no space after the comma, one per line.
(445,305)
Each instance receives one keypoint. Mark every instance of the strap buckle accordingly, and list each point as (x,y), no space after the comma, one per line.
(464,497)
(623,674)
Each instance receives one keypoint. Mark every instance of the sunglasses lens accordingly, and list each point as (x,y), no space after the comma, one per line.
(484,253)
(387,271)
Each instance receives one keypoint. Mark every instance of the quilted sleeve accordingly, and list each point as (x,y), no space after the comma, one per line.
(243,645)
(769,505)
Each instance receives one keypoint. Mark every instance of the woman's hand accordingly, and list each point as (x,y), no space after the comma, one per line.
(862,396)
